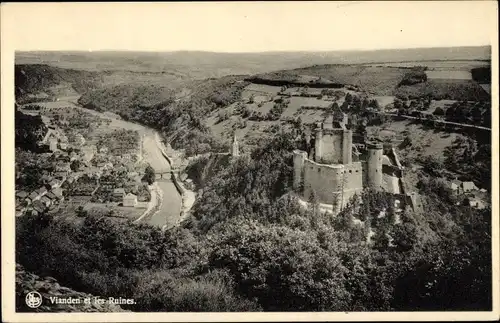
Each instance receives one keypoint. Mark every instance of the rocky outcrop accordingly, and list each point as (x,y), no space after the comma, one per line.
(48,287)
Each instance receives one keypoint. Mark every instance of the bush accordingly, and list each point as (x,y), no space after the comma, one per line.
(413,77)
(438,111)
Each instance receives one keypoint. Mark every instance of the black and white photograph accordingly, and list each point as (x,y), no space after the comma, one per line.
(256,157)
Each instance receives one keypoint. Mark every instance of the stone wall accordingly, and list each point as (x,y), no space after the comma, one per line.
(391,184)
(324,180)
(327,181)
(353,176)
(329,146)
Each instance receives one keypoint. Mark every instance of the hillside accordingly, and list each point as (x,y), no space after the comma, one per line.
(203,115)
(252,247)
(37,82)
(384,80)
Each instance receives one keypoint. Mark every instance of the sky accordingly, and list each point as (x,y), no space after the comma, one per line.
(250,26)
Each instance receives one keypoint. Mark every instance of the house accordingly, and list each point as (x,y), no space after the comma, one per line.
(104,150)
(50,195)
(41,191)
(119,193)
(63,167)
(54,183)
(106,166)
(52,142)
(88,152)
(33,196)
(22,195)
(58,192)
(46,201)
(61,175)
(63,145)
(101,164)
(20,204)
(468,186)
(477,203)
(130,200)
(63,158)
(94,172)
(455,185)
(38,207)
(71,178)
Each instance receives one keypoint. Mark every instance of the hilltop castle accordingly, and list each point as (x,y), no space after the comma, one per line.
(329,172)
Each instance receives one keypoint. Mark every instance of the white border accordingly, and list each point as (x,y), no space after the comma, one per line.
(12,24)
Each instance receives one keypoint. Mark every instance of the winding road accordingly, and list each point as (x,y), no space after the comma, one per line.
(169,213)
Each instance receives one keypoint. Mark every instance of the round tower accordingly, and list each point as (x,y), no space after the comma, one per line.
(374,161)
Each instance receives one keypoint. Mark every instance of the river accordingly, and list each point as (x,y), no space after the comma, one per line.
(169,213)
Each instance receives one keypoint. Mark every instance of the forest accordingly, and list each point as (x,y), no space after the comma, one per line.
(251,247)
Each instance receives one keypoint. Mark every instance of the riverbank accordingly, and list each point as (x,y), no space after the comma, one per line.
(188,197)
(154,204)
(168,200)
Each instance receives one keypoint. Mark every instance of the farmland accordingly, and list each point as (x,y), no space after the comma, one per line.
(449,74)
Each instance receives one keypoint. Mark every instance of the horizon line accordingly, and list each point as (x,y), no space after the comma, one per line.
(250,52)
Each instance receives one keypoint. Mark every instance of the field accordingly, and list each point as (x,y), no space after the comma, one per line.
(440,89)
(460,65)
(425,142)
(450,74)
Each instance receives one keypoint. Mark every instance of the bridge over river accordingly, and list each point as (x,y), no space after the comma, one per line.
(171,200)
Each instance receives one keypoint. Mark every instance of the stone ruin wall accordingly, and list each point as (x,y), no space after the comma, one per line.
(327,181)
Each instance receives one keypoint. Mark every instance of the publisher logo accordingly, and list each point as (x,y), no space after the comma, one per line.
(33,299)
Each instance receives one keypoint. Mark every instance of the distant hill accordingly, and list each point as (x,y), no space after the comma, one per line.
(198,64)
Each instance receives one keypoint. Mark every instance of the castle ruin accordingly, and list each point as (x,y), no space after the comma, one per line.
(334,174)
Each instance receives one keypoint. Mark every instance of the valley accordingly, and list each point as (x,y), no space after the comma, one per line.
(340,181)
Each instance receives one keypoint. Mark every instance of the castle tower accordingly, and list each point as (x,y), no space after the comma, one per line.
(347,147)
(299,158)
(235,152)
(375,153)
(318,145)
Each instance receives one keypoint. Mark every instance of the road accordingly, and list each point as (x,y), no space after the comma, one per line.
(171,200)
(438,121)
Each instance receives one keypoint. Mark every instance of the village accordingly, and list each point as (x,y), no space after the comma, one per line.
(87,166)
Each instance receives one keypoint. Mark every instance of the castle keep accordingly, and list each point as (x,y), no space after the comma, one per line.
(333,173)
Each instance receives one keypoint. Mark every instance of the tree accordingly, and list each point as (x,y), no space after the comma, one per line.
(149,175)
(374,104)
(432,166)
(438,111)
(81,212)
(348,98)
(75,165)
